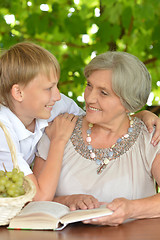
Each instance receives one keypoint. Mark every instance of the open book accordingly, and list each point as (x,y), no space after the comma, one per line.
(52,215)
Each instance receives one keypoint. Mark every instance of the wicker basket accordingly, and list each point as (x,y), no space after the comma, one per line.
(10,207)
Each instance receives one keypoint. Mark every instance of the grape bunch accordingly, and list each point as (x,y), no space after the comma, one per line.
(11,183)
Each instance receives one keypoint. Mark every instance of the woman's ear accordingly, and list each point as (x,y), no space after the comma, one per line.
(17,92)
(127,111)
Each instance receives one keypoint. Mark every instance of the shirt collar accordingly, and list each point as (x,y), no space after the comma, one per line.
(18,126)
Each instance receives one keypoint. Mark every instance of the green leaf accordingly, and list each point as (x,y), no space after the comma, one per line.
(124,25)
(104,33)
(156,33)
(126,17)
(32,23)
(75,25)
(156,50)
(116,30)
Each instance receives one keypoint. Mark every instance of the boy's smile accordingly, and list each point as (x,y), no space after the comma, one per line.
(38,98)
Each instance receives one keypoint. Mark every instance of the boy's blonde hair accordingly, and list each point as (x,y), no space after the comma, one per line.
(20,64)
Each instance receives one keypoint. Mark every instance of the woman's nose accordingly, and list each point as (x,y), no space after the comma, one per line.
(92,97)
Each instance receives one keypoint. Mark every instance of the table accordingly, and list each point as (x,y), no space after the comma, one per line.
(147,229)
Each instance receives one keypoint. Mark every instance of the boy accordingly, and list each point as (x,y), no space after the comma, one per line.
(29,76)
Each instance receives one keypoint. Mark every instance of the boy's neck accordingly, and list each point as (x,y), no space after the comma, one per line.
(31,126)
(28,122)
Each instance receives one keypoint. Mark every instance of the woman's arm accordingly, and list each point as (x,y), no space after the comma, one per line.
(135,209)
(150,120)
(124,209)
(46,181)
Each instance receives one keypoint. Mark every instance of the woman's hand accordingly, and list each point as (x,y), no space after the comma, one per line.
(151,120)
(121,208)
(61,127)
(78,201)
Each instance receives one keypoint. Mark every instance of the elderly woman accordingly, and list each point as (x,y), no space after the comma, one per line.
(109,157)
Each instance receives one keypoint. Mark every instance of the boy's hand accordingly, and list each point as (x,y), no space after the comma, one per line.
(61,127)
(151,120)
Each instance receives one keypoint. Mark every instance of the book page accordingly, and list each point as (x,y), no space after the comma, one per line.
(39,221)
(53,209)
(80,215)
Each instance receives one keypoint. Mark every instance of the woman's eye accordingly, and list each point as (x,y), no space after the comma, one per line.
(104,93)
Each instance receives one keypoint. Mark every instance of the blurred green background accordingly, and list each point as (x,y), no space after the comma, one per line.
(76,30)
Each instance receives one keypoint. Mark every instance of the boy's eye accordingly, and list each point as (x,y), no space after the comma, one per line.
(88,84)
(48,89)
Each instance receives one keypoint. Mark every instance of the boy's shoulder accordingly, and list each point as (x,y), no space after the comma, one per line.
(66,104)
(6,114)
(9,119)
(65,100)
(11,122)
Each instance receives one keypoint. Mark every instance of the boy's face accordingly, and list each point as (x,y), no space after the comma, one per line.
(39,96)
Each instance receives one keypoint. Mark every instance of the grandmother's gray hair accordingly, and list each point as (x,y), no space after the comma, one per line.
(131,80)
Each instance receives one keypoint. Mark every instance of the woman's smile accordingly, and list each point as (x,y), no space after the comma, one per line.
(89,108)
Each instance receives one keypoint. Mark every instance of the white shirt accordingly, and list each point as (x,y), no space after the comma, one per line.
(25,141)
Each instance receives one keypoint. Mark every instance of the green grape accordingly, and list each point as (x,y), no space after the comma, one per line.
(9,174)
(21,174)
(3,180)
(13,186)
(15,177)
(11,183)
(2,173)
(19,182)
(14,170)
(2,188)
(10,192)
(16,193)
(8,183)
(19,191)
(4,194)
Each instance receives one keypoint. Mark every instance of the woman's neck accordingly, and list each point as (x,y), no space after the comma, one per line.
(105,135)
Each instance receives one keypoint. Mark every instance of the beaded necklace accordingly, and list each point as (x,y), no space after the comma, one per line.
(111,151)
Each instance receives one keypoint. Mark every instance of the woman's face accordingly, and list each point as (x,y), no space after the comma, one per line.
(103,106)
